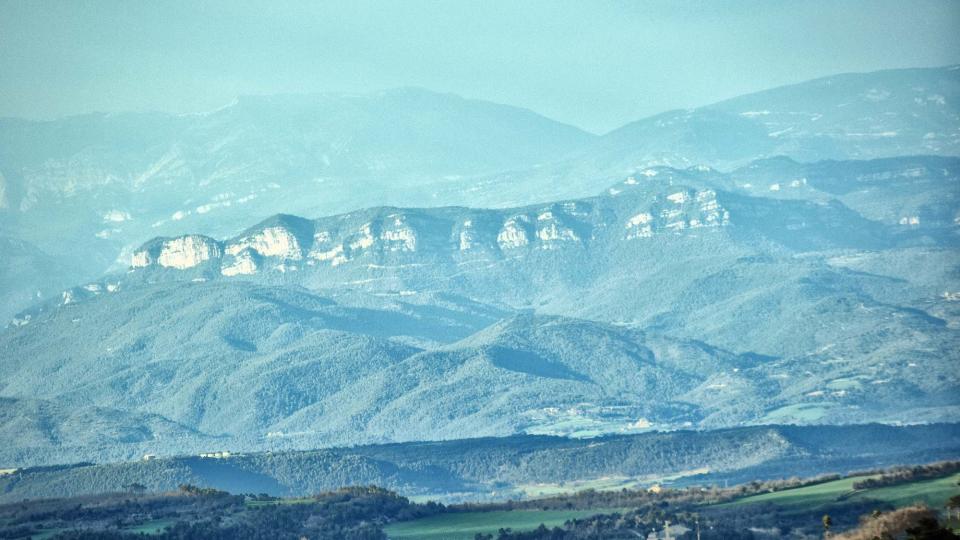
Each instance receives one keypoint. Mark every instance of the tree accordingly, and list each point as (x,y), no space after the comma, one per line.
(827,522)
(953,505)
(928,529)
(135,487)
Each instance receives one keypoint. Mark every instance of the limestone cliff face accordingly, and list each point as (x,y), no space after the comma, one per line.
(245,262)
(677,211)
(181,253)
(269,242)
(378,238)
(515,233)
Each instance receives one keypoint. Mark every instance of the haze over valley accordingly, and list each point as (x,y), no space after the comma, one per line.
(462,300)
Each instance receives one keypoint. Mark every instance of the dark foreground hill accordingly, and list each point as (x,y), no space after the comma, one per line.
(516,466)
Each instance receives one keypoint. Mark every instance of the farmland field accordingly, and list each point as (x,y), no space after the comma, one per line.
(932,492)
(463,526)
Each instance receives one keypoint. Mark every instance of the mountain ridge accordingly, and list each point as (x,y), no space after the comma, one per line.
(519,466)
(89,189)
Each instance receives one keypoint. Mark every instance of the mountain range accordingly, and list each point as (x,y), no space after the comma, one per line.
(86,190)
(787,257)
(677,298)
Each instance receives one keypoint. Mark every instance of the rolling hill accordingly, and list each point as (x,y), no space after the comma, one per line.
(495,468)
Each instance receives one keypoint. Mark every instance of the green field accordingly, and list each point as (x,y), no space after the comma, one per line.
(463,526)
(608,483)
(932,492)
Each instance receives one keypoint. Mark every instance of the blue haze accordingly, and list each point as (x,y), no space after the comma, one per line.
(593,64)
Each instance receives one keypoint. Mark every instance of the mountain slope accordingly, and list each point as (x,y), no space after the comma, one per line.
(256,363)
(86,188)
(518,466)
(857,116)
(849,116)
(27,275)
(179,366)
(527,373)
(696,253)
(230,358)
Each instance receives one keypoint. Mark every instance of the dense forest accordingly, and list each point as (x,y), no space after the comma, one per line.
(490,469)
(900,475)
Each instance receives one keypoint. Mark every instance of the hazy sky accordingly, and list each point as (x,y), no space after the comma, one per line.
(596,64)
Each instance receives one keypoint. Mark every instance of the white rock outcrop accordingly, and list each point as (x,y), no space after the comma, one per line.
(364,238)
(140,259)
(552,232)
(269,242)
(640,226)
(513,234)
(467,236)
(243,264)
(187,252)
(689,210)
(399,236)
